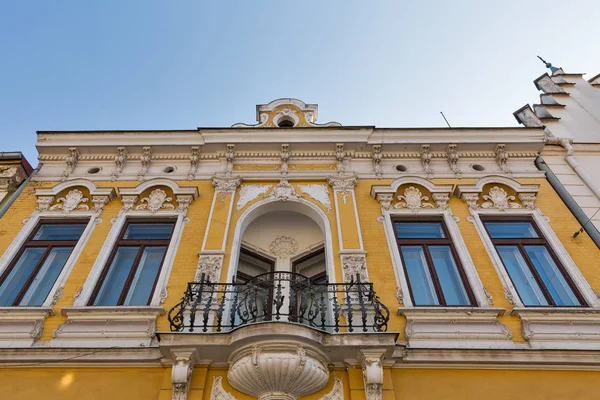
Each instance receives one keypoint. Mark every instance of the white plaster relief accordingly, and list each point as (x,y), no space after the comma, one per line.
(71,160)
(502,158)
(372,365)
(453,156)
(249,193)
(120,160)
(229,158)
(145,159)
(339,158)
(499,199)
(319,193)
(413,200)
(353,265)
(283,191)
(337,392)
(218,392)
(156,200)
(194,162)
(74,200)
(210,266)
(283,246)
(343,185)
(181,373)
(426,157)
(377,156)
(285,157)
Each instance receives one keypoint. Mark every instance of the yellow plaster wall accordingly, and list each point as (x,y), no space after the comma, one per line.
(434,384)
(82,383)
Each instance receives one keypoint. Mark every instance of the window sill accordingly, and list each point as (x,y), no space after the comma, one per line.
(455,327)
(560,327)
(21,326)
(123,325)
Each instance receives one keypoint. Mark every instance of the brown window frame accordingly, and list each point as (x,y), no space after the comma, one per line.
(321,277)
(245,277)
(48,244)
(142,243)
(425,243)
(521,243)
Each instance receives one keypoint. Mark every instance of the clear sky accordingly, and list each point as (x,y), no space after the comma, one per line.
(127,64)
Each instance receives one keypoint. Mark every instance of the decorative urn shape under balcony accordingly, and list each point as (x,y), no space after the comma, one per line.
(278,371)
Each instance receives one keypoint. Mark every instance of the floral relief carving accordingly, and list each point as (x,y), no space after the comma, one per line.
(339,157)
(377,156)
(502,158)
(471,199)
(343,185)
(283,191)
(413,199)
(156,200)
(317,192)
(352,265)
(251,192)
(385,199)
(71,160)
(283,246)
(499,199)
(528,200)
(426,157)
(441,200)
(453,156)
(145,159)
(194,161)
(73,201)
(99,203)
(210,266)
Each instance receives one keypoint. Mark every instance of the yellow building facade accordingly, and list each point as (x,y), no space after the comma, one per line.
(291,259)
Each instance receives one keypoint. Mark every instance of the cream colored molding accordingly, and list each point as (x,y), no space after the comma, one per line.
(343,185)
(413,200)
(560,327)
(283,191)
(502,158)
(89,326)
(251,192)
(372,365)
(71,161)
(455,327)
(285,157)
(145,159)
(22,326)
(223,186)
(218,392)
(229,158)
(227,184)
(153,208)
(377,156)
(120,160)
(339,158)
(453,157)
(256,370)
(283,247)
(181,373)
(194,161)
(426,159)
(319,193)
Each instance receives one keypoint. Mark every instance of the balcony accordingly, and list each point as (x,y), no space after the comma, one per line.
(279,297)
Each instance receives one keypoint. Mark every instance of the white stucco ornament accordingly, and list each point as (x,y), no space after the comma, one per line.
(283,246)
(499,199)
(278,371)
(283,191)
(251,192)
(74,200)
(318,192)
(413,199)
(156,200)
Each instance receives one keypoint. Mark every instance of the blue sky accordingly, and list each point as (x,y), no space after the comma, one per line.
(116,64)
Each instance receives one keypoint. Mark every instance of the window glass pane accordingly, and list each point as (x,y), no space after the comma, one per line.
(449,277)
(145,275)
(552,276)
(522,278)
(113,284)
(59,232)
(419,277)
(510,230)
(46,277)
(419,230)
(148,231)
(19,274)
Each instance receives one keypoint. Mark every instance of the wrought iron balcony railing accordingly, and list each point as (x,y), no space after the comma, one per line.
(279,296)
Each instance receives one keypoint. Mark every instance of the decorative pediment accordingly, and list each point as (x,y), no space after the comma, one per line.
(489,193)
(412,194)
(151,196)
(286,113)
(72,196)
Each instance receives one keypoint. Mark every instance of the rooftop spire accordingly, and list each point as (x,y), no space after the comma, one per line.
(548,65)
